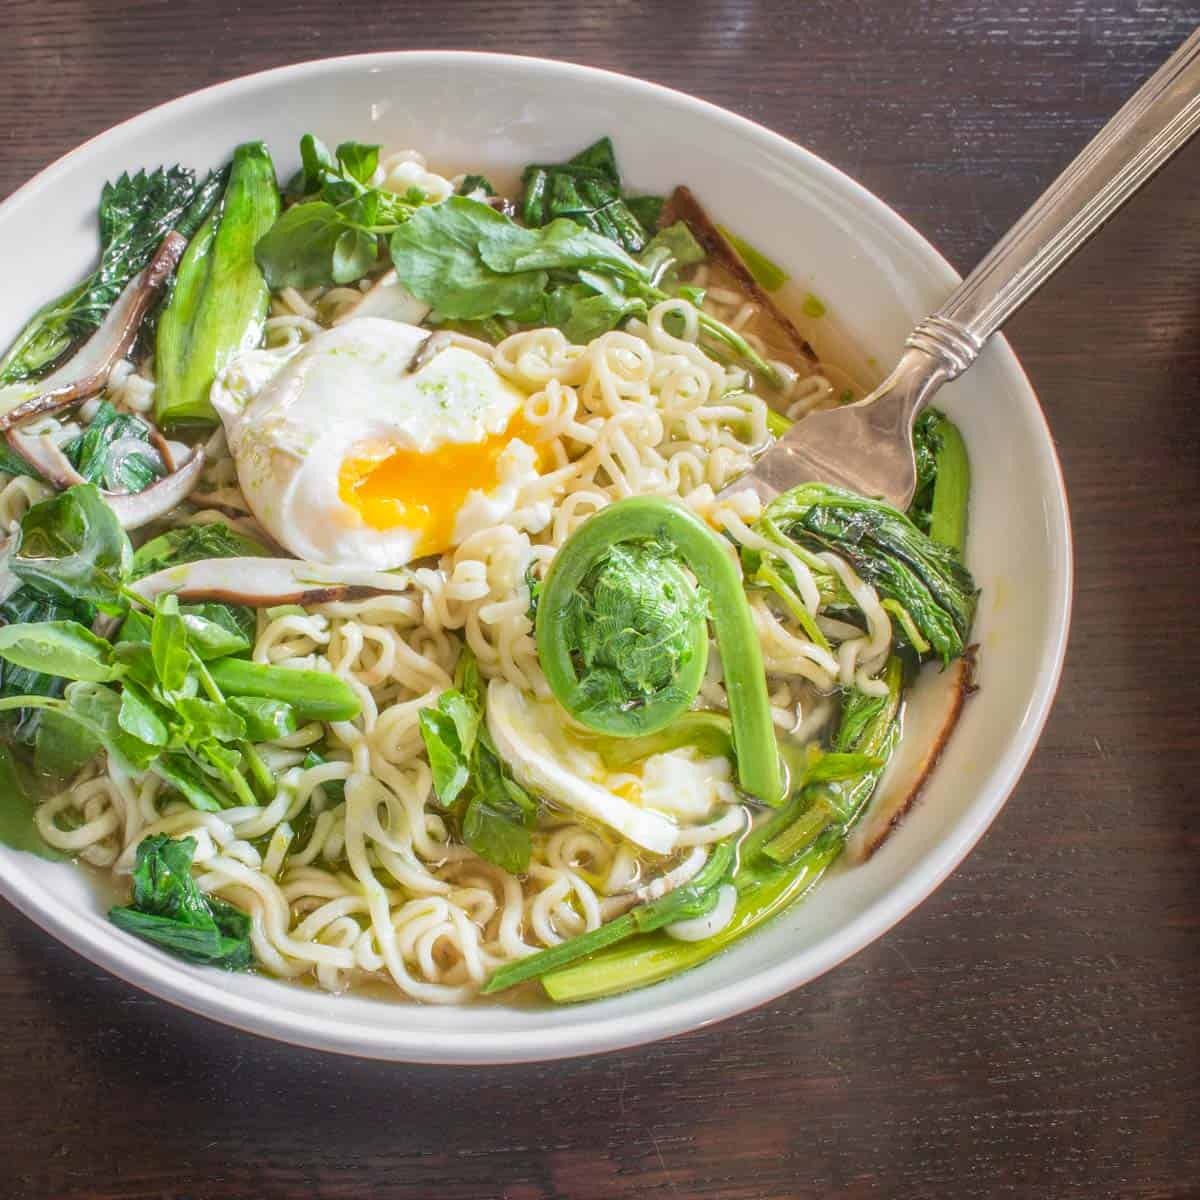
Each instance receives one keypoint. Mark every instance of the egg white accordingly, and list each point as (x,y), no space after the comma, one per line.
(672,789)
(351,387)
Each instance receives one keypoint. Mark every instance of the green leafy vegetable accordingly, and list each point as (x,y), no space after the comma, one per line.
(939,505)
(765,886)
(105,453)
(587,191)
(28,606)
(333,235)
(887,550)
(73,548)
(469,778)
(17,828)
(96,709)
(170,911)
(439,255)
(619,701)
(205,720)
(220,298)
(192,543)
(136,212)
(169,644)
(265,720)
(470,262)
(140,716)
(63,648)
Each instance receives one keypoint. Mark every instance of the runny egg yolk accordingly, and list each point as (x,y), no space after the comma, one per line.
(396,488)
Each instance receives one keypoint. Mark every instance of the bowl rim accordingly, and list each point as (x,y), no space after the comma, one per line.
(192,989)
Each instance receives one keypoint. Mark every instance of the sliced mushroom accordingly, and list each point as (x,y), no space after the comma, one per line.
(135,509)
(387,298)
(265,582)
(683,206)
(926,733)
(87,371)
(44,456)
(428,350)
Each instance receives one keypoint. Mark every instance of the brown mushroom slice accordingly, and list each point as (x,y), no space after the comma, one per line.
(683,206)
(265,582)
(388,298)
(133,509)
(45,457)
(87,371)
(927,729)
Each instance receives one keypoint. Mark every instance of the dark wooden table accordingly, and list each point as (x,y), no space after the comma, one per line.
(1034,1028)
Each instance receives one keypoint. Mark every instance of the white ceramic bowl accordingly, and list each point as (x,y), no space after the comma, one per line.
(872,270)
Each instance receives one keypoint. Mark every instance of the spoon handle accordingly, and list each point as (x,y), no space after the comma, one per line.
(1152,125)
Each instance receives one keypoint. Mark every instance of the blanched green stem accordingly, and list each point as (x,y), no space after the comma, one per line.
(650,518)
(951,489)
(777,423)
(649,959)
(692,899)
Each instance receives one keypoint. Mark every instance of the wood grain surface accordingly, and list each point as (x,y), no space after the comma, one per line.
(1033,1030)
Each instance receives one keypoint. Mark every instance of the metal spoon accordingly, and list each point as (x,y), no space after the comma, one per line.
(867,447)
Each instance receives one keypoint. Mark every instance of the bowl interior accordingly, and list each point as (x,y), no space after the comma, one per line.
(876,276)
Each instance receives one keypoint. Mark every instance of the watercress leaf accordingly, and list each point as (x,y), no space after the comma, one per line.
(265,720)
(213,638)
(465,716)
(438,256)
(358,160)
(354,254)
(494,835)
(205,720)
(72,547)
(498,817)
(467,679)
(449,764)
(315,160)
(678,241)
(169,643)
(299,250)
(139,716)
(237,619)
(562,245)
(17,828)
(62,648)
(62,747)
(669,251)
(192,543)
(196,786)
(137,661)
(597,313)
(98,709)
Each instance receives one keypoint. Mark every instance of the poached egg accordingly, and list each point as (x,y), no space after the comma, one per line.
(362,449)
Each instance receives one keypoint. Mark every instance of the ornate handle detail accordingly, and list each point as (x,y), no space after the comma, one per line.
(1153,124)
